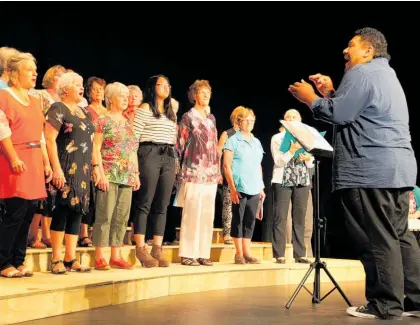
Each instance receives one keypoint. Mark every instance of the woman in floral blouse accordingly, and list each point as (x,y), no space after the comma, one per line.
(200,173)
(115,171)
(69,134)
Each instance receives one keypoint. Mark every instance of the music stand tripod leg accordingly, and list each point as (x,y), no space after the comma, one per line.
(300,286)
(317,264)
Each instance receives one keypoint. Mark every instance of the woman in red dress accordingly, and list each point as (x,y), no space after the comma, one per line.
(22,177)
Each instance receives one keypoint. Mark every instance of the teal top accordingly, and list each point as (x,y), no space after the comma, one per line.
(246,164)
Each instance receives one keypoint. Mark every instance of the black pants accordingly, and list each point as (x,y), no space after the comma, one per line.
(173,220)
(377,222)
(243,216)
(157,176)
(14,229)
(89,218)
(281,200)
(66,219)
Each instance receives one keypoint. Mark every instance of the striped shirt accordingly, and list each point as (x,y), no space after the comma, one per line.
(151,129)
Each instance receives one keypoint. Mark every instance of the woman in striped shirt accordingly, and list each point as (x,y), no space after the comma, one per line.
(155,125)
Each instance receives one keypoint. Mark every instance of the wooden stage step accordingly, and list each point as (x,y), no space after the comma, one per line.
(46,295)
(39,259)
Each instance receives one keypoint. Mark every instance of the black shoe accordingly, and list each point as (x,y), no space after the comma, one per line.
(410,309)
(302,260)
(365,312)
(280,260)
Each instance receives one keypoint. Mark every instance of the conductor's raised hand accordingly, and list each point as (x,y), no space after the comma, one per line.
(303,92)
(323,83)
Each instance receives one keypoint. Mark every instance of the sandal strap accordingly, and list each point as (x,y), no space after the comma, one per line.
(205,261)
(69,263)
(81,268)
(81,242)
(12,273)
(189,261)
(56,262)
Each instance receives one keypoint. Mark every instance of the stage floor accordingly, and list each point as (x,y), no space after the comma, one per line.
(245,306)
(46,295)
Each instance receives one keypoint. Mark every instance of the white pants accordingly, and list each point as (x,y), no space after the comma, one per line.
(197,220)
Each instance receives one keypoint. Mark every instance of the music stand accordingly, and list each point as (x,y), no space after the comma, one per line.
(315,144)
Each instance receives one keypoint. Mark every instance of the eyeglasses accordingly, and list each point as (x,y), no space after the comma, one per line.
(164,85)
(203,92)
(248,120)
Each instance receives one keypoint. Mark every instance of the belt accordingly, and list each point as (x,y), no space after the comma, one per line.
(30,145)
(163,148)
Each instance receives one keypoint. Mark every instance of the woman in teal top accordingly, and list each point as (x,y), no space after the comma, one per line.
(414,211)
(242,164)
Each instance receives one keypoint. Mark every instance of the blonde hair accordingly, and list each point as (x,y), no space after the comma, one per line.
(112,90)
(13,64)
(48,80)
(66,81)
(5,53)
(195,88)
(234,114)
(244,113)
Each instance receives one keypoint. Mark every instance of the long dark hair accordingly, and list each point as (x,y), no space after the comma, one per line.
(149,93)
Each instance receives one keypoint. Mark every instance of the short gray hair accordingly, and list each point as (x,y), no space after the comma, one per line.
(112,90)
(292,110)
(135,88)
(66,81)
(5,54)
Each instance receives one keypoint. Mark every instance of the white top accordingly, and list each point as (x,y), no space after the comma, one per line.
(151,129)
(282,158)
(5,131)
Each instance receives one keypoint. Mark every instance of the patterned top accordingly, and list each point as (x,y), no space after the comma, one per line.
(295,174)
(197,148)
(74,146)
(45,98)
(148,128)
(119,150)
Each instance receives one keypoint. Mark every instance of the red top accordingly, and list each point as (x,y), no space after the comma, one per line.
(26,124)
(93,113)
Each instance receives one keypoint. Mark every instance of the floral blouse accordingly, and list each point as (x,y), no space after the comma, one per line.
(45,98)
(197,148)
(119,150)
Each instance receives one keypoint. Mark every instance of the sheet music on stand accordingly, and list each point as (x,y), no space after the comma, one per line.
(309,138)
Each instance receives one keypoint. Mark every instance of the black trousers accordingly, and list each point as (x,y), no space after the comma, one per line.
(377,222)
(173,220)
(281,199)
(14,229)
(66,219)
(243,216)
(157,176)
(89,218)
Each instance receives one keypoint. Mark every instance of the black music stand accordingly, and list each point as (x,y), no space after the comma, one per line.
(317,265)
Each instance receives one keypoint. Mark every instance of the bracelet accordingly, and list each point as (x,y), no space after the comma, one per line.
(96,165)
